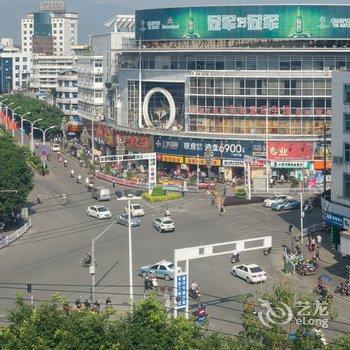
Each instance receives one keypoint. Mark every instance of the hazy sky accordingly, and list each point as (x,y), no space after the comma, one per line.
(93,13)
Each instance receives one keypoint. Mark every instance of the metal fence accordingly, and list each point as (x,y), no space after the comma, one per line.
(313,229)
(15,235)
(286,190)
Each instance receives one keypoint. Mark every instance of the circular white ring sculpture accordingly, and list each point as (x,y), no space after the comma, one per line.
(171,102)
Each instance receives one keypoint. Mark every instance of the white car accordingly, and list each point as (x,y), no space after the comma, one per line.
(277,199)
(55,148)
(99,212)
(251,273)
(164,224)
(135,210)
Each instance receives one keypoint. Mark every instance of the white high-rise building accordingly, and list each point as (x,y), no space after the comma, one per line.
(64,31)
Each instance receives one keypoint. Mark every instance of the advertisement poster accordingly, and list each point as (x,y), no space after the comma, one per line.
(290,150)
(230,22)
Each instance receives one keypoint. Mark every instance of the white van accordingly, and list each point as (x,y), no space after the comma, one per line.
(101,193)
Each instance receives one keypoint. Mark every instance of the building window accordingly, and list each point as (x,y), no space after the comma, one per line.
(25,67)
(16,67)
(17,59)
(347,152)
(347,94)
(346,183)
(347,123)
(98,79)
(24,59)
(98,63)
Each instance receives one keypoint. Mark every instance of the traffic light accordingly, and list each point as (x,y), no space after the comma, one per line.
(29,287)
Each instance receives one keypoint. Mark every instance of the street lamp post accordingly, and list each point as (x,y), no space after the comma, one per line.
(32,133)
(131,287)
(198,171)
(267,147)
(13,119)
(22,129)
(44,132)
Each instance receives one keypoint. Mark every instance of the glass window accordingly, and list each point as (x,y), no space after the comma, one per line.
(347,122)
(240,64)
(251,64)
(284,64)
(209,64)
(219,64)
(347,152)
(346,93)
(200,65)
(346,181)
(307,63)
(262,63)
(296,64)
(318,64)
(273,64)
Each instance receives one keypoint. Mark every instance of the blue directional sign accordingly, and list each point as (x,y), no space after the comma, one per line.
(181,291)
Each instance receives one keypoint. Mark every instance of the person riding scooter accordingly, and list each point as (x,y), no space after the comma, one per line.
(65,163)
(87,260)
(235,256)
(72,173)
(194,291)
(40,199)
(167,213)
(64,199)
(79,179)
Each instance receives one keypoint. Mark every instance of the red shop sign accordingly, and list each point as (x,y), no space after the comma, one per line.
(138,143)
(290,150)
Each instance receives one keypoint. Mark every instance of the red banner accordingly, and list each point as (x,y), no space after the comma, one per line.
(290,150)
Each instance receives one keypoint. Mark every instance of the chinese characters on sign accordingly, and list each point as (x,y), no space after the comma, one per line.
(332,219)
(222,148)
(250,22)
(181,292)
(284,150)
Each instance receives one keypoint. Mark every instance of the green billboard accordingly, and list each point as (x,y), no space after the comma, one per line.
(236,22)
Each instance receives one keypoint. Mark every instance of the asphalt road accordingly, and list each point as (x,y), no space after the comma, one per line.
(48,255)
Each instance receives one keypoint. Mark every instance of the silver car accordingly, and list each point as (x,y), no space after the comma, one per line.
(164,224)
(123,220)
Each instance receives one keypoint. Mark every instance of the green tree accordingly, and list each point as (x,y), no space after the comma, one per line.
(14,175)
(38,109)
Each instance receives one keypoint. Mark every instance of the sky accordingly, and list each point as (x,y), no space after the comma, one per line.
(93,13)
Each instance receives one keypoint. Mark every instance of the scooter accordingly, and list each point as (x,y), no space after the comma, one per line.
(65,163)
(267,251)
(79,179)
(194,294)
(235,258)
(167,213)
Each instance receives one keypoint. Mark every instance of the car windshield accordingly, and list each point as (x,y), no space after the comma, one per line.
(137,207)
(167,222)
(255,269)
(102,209)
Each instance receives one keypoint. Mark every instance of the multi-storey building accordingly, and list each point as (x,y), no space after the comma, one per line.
(336,207)
(90,87)
(14,67)
(246,80)
(54,26)
(46,71)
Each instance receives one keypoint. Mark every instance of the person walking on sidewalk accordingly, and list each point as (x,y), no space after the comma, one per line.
(319,240)
(222,210)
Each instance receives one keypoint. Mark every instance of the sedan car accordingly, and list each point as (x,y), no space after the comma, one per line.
(123,220)
(277,199)
(164,224)
(55,147)
(135,210)
(251,273)
(99,212)
(286,205)
(162,269)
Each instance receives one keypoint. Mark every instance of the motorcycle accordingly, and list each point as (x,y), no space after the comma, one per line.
(267,251)
(40,199)
(308,207)
(64,201)
(79,179)
(342,288)
(81,163)
(235,258)
(90,186)
(167,213)
(72,173)
(194,294)
(65,163)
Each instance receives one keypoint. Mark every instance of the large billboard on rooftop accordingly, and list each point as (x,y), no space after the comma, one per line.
(244,22)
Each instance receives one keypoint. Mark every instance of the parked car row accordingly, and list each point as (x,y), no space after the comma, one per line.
(281,202)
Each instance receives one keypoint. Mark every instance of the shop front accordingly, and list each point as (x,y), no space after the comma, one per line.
(180,154)
(290,159)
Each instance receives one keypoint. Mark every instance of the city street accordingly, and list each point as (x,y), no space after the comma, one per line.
(48,255)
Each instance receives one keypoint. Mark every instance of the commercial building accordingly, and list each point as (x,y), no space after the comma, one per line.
(245,80)
(336,207)
(46,71)
(52,30)
(14,67)
(98,92)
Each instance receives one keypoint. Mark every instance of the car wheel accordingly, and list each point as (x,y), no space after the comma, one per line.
(234,273)
(248,280)
(144,274)
(167,277)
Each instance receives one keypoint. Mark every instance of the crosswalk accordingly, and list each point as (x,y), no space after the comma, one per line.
(236,225)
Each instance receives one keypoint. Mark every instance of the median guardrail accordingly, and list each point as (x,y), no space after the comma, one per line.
(15,235)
